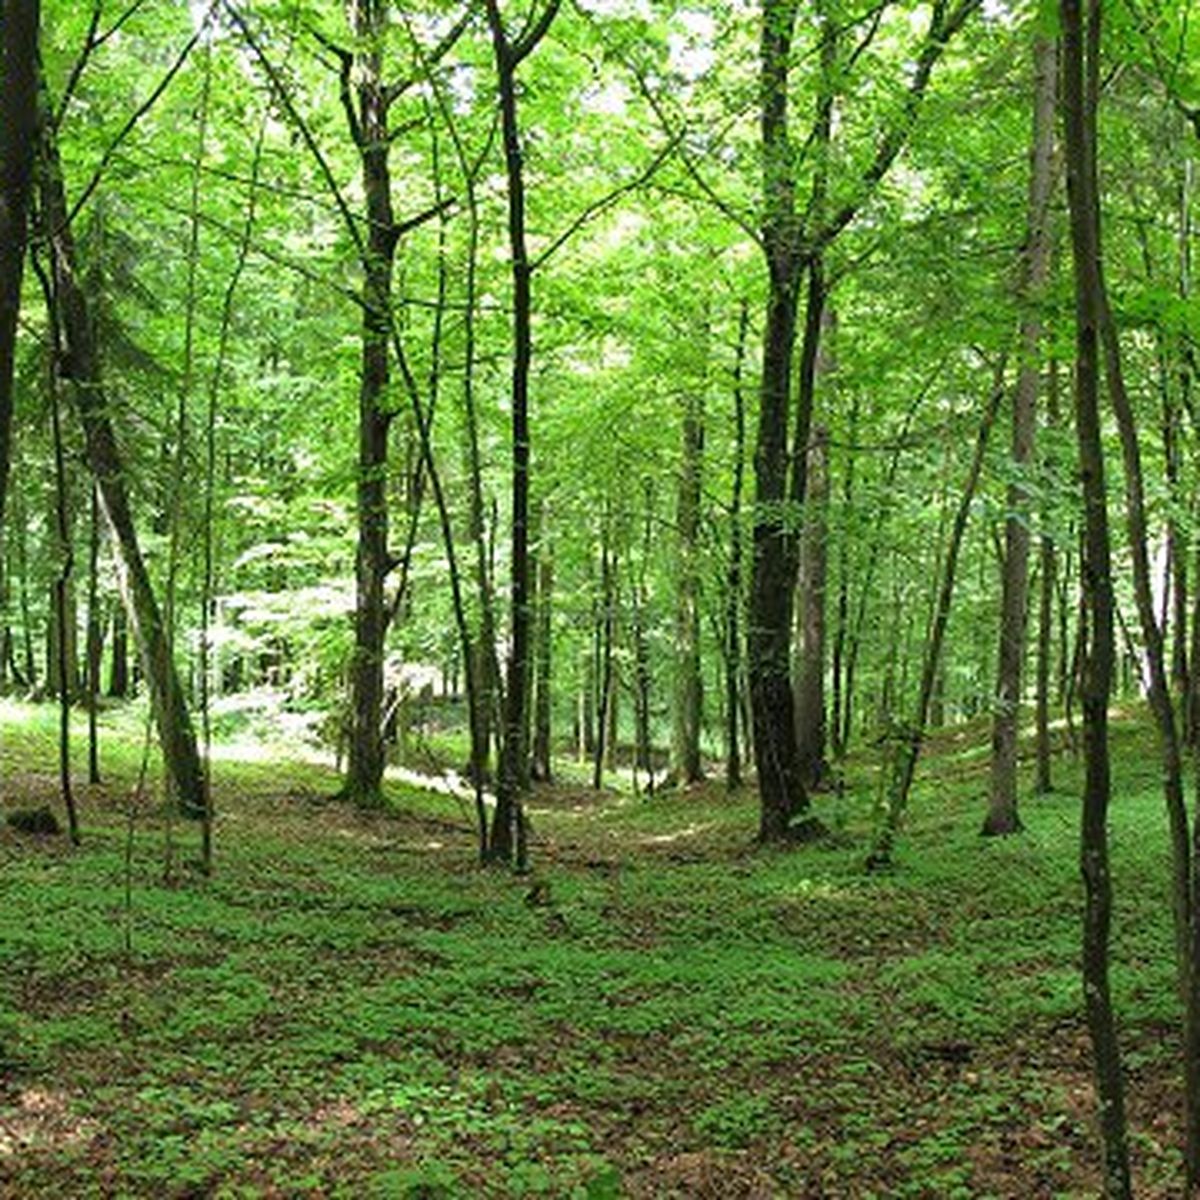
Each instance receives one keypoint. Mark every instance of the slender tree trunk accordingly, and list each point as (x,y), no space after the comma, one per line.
(543,706)
(118,678)
(81,364)
(18,136)
(643,753)
(508,822)
(734,599)
(1046,626)
(685,747)
(840,704)
(63,616)
(898,776)
(606,697)
(1079,107)
(1002,817)
(22,555)
(810,664)
(95,636)
(1154,654)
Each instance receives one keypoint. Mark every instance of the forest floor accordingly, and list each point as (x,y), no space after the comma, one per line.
(351,1008)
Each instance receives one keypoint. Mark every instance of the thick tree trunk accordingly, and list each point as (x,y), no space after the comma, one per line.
(81,364)
(1080,144)
(18,137)
(781,791)
(685,743)
(372,563)
(1002,816)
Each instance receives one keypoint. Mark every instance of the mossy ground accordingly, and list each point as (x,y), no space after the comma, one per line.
(351,1008)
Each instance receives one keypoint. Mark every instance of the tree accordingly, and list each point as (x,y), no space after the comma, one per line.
(80,364)
(18,135)
(1002,817)
(508,832)
(794,242)
(1081,69)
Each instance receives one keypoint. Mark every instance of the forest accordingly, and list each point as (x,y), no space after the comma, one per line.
(599,598)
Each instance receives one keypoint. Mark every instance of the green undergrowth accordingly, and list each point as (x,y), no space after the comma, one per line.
(351,1007)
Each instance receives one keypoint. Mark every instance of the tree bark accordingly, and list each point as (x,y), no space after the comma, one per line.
(95,636)
(507,843)
(18,136)
(908,738)
(543,698)
(1045,640)
(810,660)
(841,699)
(1079,105)
(118,678)
(1002,816)
(606,697)
(372,563)
(734,599)
(81,364)
(792,245)
(685,743)
(643,754)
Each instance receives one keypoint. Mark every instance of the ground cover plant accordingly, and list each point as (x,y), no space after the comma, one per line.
(351,1007)
(538,522)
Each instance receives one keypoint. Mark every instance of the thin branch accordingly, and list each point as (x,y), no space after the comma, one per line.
(524,45)
(607,201)
(285,99)
(430,60)
(941,29)
(137,114)
(345,67)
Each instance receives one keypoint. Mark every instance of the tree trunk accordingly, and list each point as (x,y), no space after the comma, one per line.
(685,742)
(81,364)
(908,738)
(507,842)
(1046,626)
(841,699)
(64,617)
(734,598)
(118,679)
(95,636)
(1079,107)
(606,697)
(543,707)
(22,555)
(18,136)
(1002,817)
(643,754)
(1043,784)
(810,660)
(781,790)
(372,563)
